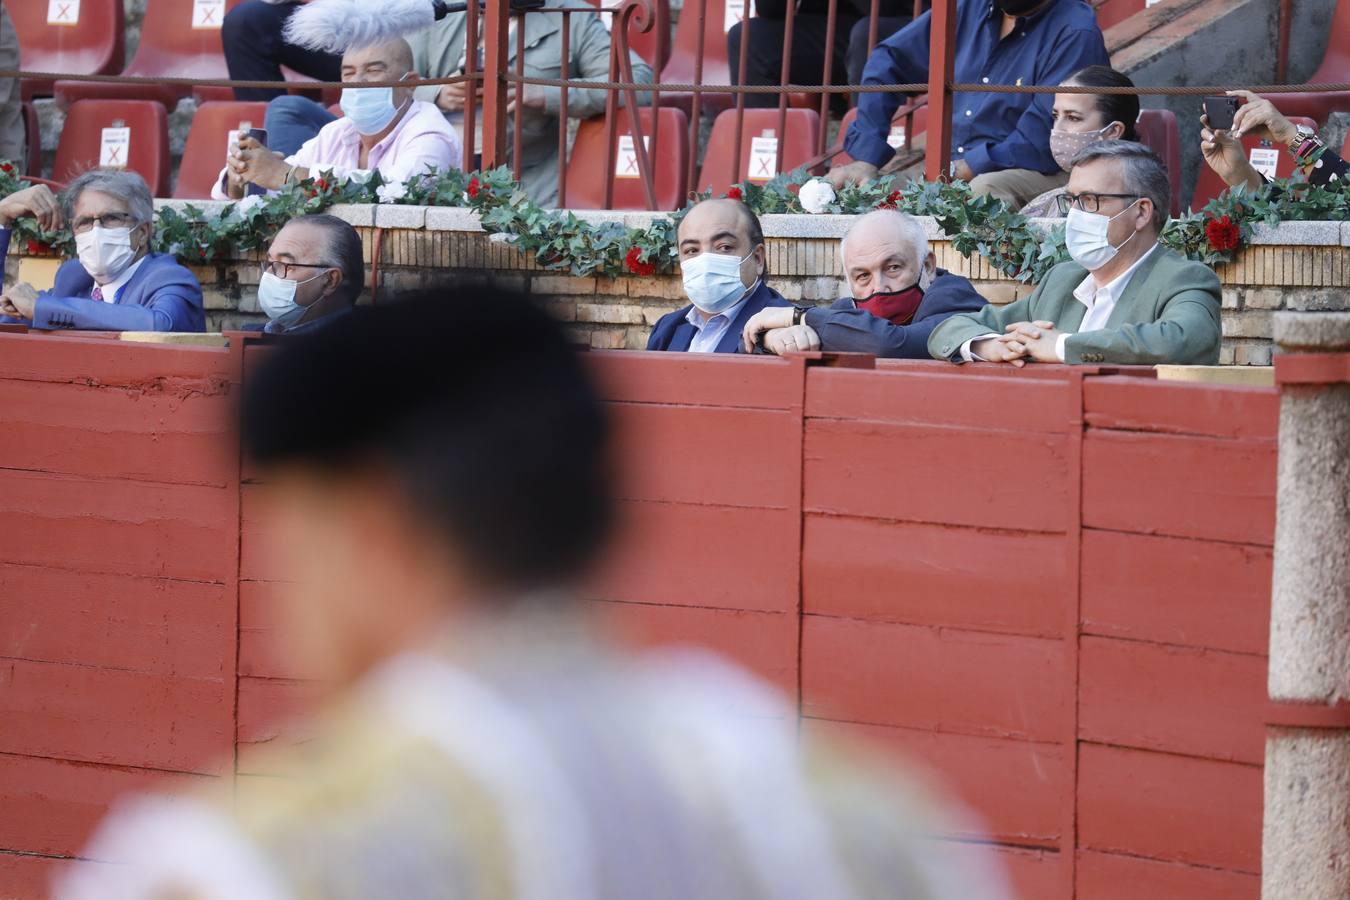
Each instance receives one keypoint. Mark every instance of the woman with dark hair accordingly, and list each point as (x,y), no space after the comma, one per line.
(1085,119)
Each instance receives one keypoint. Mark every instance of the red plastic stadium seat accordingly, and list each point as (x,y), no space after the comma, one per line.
(1113,12)
(1335,69)
(680,68)
(920,124)
(175,43)
(94,43)
(654,45)
(207,144)
(668,151)
(799,145)
(33,136)
(82,139)
(1209,185)
(1158,130)
(297,82)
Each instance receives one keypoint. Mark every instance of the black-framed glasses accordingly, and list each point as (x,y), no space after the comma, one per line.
(1088,201)
(107,220)
(283,269)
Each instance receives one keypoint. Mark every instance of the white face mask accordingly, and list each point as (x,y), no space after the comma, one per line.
(105,253)
(712,281)
(276,296)
(1085,236)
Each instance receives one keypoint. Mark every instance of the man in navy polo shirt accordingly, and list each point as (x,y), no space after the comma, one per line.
(1000,142)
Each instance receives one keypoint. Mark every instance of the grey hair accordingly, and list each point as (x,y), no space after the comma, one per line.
(1145,173)
(344,250)
(123,184)
(915,234)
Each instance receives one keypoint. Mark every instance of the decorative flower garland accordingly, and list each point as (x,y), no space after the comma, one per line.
(562,242)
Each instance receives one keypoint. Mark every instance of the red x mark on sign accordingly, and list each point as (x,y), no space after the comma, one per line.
(631,164)
(208,16)
(63,12)
(114,156)
(764,166)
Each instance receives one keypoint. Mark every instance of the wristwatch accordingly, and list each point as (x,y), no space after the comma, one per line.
(1301,134)
(799,313)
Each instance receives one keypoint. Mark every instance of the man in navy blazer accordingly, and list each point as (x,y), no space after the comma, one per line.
(899,296)
(117,284)
(723,264)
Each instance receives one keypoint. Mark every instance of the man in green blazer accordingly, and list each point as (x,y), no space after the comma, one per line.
(1125,299)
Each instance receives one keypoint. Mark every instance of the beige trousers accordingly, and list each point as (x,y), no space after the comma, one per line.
(13,138)
(1017,187)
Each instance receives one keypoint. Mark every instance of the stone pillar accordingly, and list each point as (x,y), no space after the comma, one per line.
(1306,839)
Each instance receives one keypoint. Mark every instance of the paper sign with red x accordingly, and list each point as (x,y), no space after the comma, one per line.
(763,158)
(115,150)
(63,12)
(735,11)
(208,13)
(625,163)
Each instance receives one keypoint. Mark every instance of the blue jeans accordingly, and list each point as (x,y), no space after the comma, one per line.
(292,120)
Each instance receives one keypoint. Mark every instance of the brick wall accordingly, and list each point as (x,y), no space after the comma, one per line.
(1297,265)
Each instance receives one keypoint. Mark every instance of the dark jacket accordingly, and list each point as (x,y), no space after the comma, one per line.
(845,328)
(674,333)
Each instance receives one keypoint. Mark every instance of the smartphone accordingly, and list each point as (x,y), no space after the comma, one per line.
(1220,112)
(259,135)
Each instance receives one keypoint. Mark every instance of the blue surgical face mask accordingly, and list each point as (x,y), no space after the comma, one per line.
(712,281)
(276,296)
(369,109)
(1085,237)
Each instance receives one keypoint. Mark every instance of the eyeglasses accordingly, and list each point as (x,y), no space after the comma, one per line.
(107,220)
(283,269)
(1088,202)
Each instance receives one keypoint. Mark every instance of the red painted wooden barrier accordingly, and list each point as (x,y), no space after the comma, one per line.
(1049,588)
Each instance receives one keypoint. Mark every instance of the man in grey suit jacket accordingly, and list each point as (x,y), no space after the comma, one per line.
(1124,299)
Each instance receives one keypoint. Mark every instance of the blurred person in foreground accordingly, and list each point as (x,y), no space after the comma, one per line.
(1123,299)
(1224,153)
(384,129)
(723,265)
(313,275)
(116,283)
(898,296)
(433,512)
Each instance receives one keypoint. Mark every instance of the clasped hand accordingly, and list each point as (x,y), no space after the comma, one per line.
(250,162)
(1020,342)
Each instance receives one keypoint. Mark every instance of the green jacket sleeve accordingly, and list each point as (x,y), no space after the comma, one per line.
(590,48)
(946,340)
(1185,332)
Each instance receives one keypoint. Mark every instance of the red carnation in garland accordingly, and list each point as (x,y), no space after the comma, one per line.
(323,184)
(635,264)
(473,188)
(7,168)
(892,199)
(735,194)
(37,248)
(1223,234)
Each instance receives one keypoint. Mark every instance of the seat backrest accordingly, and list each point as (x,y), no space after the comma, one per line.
(85,38)
(82,140)
(1209,185)
(653,45)
(208,143)
(1113,12)
(182,38)
(1158,130)
(719,16)
(667,149)
(1335,67)
(901,137)
(759,139)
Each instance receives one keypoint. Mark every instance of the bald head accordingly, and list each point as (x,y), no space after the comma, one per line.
(886,250)
(390,59)
(728,228)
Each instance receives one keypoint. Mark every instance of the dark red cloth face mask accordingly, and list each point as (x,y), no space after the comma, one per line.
(898,307)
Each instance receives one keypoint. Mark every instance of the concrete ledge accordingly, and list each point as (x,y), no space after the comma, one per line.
(1313,332)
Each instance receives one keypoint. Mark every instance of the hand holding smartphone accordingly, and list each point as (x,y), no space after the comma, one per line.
(1220,111)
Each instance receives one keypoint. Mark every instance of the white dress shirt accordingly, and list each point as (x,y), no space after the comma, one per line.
(710,329)
(1100,303)
(111,289)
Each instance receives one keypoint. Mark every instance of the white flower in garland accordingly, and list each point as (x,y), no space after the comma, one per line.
(392,192)
(249,203)
(816,196)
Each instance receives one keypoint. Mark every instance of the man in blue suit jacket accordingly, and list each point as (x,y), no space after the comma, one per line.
(899,296)
(117,284)
(723,264)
